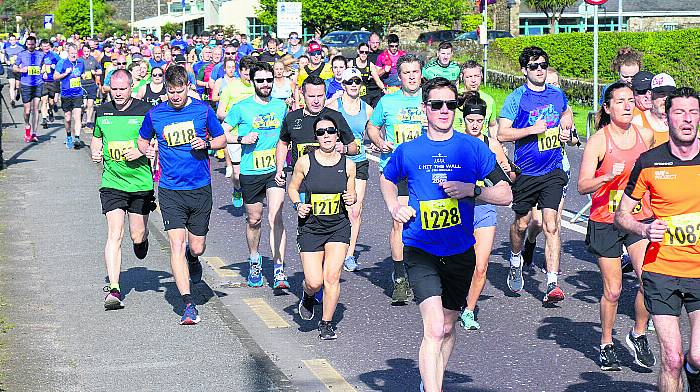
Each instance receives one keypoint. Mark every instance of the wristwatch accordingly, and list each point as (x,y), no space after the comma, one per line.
(238,140)
(207,145)
(477,191)
(296,205)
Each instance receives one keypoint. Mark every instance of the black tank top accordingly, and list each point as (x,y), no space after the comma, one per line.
(366,73)
(315,72)
(151,97)
(324,186)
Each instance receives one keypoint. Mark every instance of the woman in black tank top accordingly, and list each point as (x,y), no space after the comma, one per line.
(150,96)
(322,185)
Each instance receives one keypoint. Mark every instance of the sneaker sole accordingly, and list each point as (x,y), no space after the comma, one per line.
(114,305)
(329,338)
(610,369)
(299,306)
(253,284)
(189,321)
(629,343)
(552,300)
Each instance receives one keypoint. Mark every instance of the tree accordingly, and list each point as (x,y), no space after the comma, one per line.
(552,9)
(74,15)
(170,28)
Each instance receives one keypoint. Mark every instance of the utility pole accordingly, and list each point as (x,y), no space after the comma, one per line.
(92,21)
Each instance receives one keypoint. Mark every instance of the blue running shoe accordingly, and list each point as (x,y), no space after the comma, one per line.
(350,264)
(255,278)
(69,142)
(319,296)
(191,316)
(237,198)
(280,278)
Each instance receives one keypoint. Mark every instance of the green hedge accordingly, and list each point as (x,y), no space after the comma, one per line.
(674,52)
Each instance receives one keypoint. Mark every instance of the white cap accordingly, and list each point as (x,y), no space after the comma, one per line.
(350,73)
(662,83)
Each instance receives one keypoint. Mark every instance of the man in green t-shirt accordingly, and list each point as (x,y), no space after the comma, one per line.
(472,76)
(127,182)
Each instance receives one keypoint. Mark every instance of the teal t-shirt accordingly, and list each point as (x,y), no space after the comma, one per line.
(403,118)
(265,119)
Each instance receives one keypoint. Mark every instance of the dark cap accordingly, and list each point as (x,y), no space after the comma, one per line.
(179,32)
(642,81)
(205,33)
(180,58)
(235,43)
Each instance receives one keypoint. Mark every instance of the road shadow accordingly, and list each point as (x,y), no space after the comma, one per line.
(599,381)
(379,274)
(233,211)
(16,159)
(403,375)
(589,289)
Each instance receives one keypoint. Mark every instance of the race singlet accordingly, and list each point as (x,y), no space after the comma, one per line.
(407,132)
(33,70)
(439,214)
(325,204)
(117,149)
(74,82)
(683,230)
(263,159)
(614,202)
(179,133)
(548,140)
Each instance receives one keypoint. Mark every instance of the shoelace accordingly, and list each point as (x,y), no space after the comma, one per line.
(643,343)
(609,354)
(256,268)
(280,276)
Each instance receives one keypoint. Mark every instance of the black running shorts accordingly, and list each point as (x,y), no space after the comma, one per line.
(606,240)
(313,241)
(141,203)
(543,191)
(51,89)
(30,92)
(186,209)
(254,187)
(362,170)
(448,277)
(70,103)
(666,295)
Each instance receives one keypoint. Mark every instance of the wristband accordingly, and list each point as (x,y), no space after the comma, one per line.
(207,145)
(296,205)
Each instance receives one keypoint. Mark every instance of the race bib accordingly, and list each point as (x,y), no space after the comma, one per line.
(13,59)
(406,132)
(33,70)
(682,230)
(108,65)
(360,146)
(263,159)
(439,214)
(74,82)
(614,202)
(325,204)
(301,147)
(46,68)
(87,75)
(179,133)
(363,90)
(117,149)
(548,140)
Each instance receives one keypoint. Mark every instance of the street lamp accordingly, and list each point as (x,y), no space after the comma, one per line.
(18,19)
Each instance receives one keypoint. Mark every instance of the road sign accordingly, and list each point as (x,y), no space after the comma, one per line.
(288,19)
(585,10)
(596,2)
(48,21)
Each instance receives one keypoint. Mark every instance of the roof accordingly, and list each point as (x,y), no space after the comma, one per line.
(632,6)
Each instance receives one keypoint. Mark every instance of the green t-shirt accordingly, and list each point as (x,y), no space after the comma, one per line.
(434,69)
(119,130)
(459,125)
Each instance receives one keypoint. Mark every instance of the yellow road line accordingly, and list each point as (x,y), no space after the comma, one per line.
(217,264)
(266,313)
(328,375)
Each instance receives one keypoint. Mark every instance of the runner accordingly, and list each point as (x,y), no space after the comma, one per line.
(387,65)
(372,79)
(472,75)
(401,115)
(180,127)
(28,65)
(127,183)
(442,65)
(475,110)
(356,112)
(441,168)
(92,70)
(626,64)
(316,65)
(256,123)
(157,57)
(537,117)
(52,88)
(661,85)
(294,45)
(334,85)
(641,85)
(12,49)
(70,72)
(605,169)
(369,88)
(327,178)
(284,87)
(670,272)
(221,83)
(154,93)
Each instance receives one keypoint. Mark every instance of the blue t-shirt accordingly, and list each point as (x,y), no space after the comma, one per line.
(11,52)
(246,49)
(179,42)
(443,226)
(332,87)
(49,66)
(218,72)
(71,85)
(33,61)
(158,64)
(536,154)
(265,119)
(182,168)
(402,116)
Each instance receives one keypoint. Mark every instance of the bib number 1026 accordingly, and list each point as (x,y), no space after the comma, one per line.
(439,214)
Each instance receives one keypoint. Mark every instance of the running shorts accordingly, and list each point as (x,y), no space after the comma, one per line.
(606,240)
(362,170)
(313,241)
(30,92)
(254,187)
(186,209)
(90,91)
(543,191)
(70,103)
(484,216)
(141,203)
(51,88)
(666,295)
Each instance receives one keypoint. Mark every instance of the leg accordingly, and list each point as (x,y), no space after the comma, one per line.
(312,264)
(89,110)
(484,243)
(27,112)
(694,351)
(334,255)
(534,228)
(355,214)
(517,231)
(35,114)
(67,117)
(77,121)
(612,286)
(668,331)
(254,219)
(278,236)
(197,243)
(44,107)
(113,247)
(448,342)
(437,343)
(552,246)
(138,228)
(178,263)
(641,315)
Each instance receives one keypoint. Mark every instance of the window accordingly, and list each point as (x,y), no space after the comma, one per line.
(256,29)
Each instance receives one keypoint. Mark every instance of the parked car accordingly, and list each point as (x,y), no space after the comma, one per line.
(438,36)
(344,39)
(491,34)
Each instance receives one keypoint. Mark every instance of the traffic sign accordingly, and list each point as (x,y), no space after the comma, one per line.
(48,21)
(596,2)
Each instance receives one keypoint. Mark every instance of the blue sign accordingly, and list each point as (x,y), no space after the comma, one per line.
(48,21)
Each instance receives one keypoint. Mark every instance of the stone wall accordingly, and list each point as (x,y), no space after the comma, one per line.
(142,9)
(656,23)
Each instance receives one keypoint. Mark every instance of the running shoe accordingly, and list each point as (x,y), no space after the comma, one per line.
(643,356)
(190,316)
(528,252)
(280,278)
(350,264)
(467,321)
(78,144)
(229,171)
(306,306)
(515,278)
(255,277)
(35,138)
(626,264)
(318,296)
(608,359)
(237,198)
(693,379)
(44,123)
(141,250)
(113,300)
(194,266)
(27,134)
(402,289)
(51,117)
(326,331)
(554,294)
(69,142)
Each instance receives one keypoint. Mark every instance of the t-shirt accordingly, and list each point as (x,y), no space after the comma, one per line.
(459,124)
(386,58)
(182,167)
(71,84)
(434,69)
(33,61)
(11,52)
(119,131)
(675,200)
(158,64)
(234,92)
(179,42)
(333,87)
(49,66)
(402,116)
(270,57)
(265,119)
(298,129)
(91,65)
(324,71)
(443,226)
(245,49)
(536,154)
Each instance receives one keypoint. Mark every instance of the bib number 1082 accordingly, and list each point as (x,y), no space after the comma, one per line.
(683,230)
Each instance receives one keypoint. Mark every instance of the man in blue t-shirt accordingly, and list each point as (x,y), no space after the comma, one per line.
(178,41)
(441,168)
(256,124)
(12,49)
(69,72)
(31,85)
(537,117)
(180,127)
(49,94)
(401,115)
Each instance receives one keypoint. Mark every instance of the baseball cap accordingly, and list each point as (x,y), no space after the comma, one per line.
(350,73)
(642,81)
(136,56)
(662,83)
(180,58)
(179,32)
(235,43)
(314,46)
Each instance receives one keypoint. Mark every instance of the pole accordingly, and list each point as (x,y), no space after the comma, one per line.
(183,19)
(595,58)
(486,46)
(92,22)
(132,18)
(159,8)
(619,15)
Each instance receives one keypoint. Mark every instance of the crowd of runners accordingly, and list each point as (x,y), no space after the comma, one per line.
(298,121)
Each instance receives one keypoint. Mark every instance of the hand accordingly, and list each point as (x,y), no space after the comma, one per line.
(151,150)
(567,123)
(339,147)
(564,135)
(457,189)
(289,101)
(69,70)
(540,126)
(280,177)
(403,213)
(386,147)
(132,154)
(349,198)
(387,68)
(250,138)
(303,210)
(96,156)
(618,168)
(655,231)
(198,143)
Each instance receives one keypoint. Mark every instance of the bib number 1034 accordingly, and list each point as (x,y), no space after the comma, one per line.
(439,214)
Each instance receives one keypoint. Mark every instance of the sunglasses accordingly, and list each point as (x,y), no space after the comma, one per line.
(437,104)
(293,37)
(323,131)
(315,53)
(641,92)
(352,81)
(262,80)
(230,53)
(119,63)
(363,51)
(534,66)
(157,75)
(393,45)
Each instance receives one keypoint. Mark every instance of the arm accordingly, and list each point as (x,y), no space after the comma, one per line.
(230,133)
(499,194)
(376,75)
(96,149)
(300,170)
(390,192)
(493,129)
(653,231)
(349,196)
(215,90)
(281,152)
(144,145)
(502,158)
(142,91)
(592,155)
(506,132)
(374,134)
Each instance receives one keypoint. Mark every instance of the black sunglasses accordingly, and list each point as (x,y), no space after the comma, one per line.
(119,63)
(323,131)
(261,80)
(363,51)
(230,53)
(157,75)
(352,81)
(315,53)
(293,37)
(534,66)
(437,104)
(393,45)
